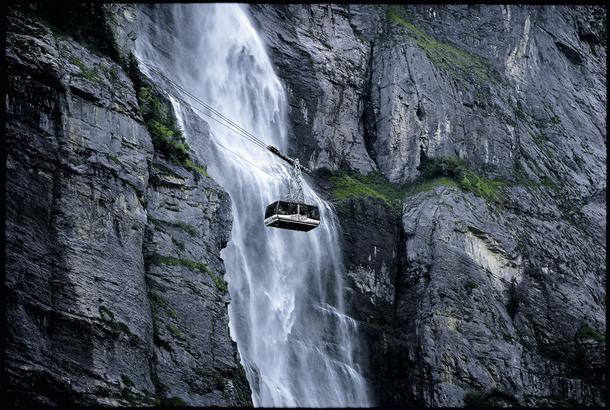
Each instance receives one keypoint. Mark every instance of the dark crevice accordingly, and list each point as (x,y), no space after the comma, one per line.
(367,119)
(401,258)
(420,112)
(423,158)
(571,54)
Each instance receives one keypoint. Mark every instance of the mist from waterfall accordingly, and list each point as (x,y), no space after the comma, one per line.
(286,312)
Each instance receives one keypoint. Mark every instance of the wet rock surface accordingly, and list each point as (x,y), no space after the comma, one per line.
(463,299)
(115,290)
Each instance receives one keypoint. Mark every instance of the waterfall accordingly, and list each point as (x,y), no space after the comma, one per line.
(297,345)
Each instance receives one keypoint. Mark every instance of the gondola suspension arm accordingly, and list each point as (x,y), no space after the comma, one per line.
(295,190)
(291,161)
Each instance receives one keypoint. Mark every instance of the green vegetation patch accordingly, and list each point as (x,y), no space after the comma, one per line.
(171,402)
(375,185)
(115,326)
(518,109)
(190,229)
(89,73)
(162,125)
(157,260)
(219,282)
(459,63)
(482,186)
(166,135)
(158,300)
(465,177)
(471,284)
(586,331)
(175,332)
(492,398)
(451,172)
(201,170)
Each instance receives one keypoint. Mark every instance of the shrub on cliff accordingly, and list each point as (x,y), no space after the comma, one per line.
(159,118)
(466,178)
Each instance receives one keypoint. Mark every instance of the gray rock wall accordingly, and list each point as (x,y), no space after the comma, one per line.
(194,356)
(463,299)
(115,289)
(324,67)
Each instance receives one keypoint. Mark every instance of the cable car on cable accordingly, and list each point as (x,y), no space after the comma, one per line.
(296,216)
(292,213)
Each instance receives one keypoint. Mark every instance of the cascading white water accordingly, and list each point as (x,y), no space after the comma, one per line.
(286,310)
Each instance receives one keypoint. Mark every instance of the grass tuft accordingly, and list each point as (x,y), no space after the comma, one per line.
(375,185)
(89,73)
(159,118)
(189,164)
(157,260)
(586,331)
(451,172)
(175,332)
(465,177)
(459,63)
(190,229)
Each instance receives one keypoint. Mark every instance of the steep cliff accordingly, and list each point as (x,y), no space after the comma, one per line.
(114,283)
(465,149)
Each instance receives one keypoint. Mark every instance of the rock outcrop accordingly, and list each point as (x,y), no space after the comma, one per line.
(194,356)
(114,282)
(487,286)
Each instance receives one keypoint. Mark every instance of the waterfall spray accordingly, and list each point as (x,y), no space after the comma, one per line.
(286,312)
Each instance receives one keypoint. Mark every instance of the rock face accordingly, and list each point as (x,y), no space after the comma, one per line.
(463,299)
(324,67)
(114,283)
(194,356)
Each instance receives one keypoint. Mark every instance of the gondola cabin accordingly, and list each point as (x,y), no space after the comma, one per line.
(292,215)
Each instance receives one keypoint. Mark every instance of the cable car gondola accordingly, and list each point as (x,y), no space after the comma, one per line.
(296,216)
(292,213)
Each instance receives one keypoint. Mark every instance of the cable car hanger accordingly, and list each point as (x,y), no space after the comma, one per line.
(292,213)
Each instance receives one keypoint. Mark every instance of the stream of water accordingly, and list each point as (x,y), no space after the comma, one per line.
(286,313)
